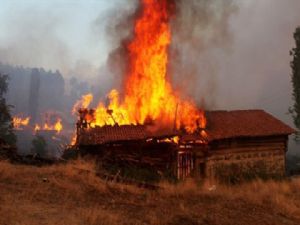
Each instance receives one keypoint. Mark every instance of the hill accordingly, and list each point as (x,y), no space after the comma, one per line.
(72,194)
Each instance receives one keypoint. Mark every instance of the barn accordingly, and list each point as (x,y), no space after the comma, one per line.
(234,145)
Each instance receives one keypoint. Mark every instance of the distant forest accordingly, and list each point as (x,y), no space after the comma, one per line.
(34,91)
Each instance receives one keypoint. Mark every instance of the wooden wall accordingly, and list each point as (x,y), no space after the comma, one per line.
(228,158)
(247,157)
(161,156)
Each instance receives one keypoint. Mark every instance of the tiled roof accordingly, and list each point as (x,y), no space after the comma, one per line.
(244,123)
(105,134)
(220,125)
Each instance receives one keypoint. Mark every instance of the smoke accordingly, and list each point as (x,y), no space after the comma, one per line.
(256,72)
(32,40)
(118,24)
(200,32)
(53,35)
(235,54)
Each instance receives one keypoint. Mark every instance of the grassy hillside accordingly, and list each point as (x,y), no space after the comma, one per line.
(72,194)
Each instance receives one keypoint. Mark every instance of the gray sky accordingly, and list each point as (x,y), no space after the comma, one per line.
(71,35)
(57,32)
(249,70)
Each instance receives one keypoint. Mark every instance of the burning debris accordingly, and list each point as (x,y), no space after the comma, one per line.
(19,122)
(49,128)
(57,126)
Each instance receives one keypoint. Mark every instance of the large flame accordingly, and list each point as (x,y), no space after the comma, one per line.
(148,94)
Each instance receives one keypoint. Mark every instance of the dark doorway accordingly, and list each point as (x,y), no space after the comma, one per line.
(185,164)
(202,169)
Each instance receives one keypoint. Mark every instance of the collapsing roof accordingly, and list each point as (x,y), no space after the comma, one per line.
(109,134)
(106,134)
(220,125)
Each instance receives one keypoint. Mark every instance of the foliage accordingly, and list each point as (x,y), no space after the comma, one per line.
(6,126)
(39,146)
(295,66)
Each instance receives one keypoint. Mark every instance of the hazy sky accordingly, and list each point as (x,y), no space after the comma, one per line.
(246,68)
(71,35)
(66,26)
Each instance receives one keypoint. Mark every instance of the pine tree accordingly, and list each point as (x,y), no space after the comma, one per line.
(6,126)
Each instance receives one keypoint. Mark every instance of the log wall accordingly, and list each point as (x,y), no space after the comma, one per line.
(246,158)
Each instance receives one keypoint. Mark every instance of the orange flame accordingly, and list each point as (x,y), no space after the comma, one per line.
(148,94)
(73,140)
(57,126)
(19,122)
(84,102)
(37,128)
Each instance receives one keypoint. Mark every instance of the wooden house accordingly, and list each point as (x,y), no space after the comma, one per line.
(243,143)
(129,145)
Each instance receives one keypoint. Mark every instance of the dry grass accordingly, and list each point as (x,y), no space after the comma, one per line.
(72,194)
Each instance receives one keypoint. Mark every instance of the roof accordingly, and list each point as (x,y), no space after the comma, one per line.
(220,125)
(108,134)
(244,123)
(101,135)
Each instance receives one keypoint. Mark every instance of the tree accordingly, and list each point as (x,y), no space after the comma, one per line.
(295,66)
(6,125)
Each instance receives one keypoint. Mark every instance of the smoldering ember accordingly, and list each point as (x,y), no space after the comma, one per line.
(144,132)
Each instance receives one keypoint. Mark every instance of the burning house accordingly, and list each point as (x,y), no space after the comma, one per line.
(149,123)
(243,143)
(26,131)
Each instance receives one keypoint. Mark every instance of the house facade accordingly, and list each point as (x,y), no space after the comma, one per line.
(235,145)
(243,144)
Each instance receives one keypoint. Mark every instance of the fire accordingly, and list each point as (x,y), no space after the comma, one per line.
(37,128)
(73,139)
(84,102)
(148,95)
(57,126)
(19,122)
